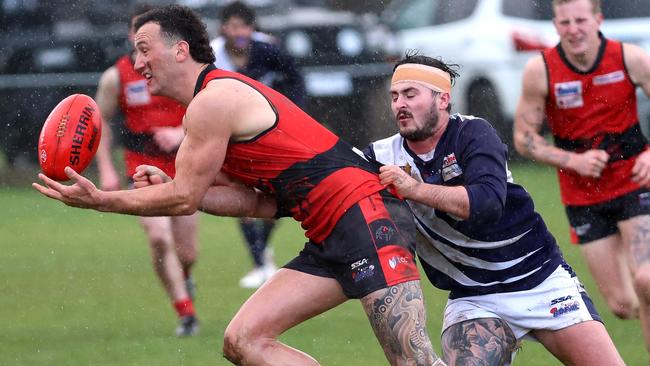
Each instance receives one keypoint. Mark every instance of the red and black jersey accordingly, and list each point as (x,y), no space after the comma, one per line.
(142,112)
(315,176)
(594,109)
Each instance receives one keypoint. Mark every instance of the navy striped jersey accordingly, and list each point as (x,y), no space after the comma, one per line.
(504,245)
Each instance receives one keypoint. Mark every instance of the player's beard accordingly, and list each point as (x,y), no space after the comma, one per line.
(427,130)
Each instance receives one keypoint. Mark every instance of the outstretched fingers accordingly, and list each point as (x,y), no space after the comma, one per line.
(82,193)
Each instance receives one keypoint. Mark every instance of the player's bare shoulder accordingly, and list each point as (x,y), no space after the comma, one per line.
(637,61)
(535,80)
(239,105)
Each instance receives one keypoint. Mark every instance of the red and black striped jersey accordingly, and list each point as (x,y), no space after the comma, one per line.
(315,176)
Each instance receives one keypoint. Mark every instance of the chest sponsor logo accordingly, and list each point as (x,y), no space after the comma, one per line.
(137,93)
(569,94)
(450,167)
(612,77)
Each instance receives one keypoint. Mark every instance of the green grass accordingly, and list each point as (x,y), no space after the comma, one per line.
(78,289)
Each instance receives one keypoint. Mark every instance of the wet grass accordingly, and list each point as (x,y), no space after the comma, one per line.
(78,289)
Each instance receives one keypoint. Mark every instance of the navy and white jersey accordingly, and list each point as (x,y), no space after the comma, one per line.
(504,245)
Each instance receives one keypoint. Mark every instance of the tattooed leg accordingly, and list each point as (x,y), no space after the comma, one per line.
(636,232)
(398,318)
(483,341)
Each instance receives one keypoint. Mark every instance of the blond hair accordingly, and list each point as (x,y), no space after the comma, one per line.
(595,4)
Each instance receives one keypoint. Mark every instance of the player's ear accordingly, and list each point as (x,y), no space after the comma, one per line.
(182,50)
(445,99)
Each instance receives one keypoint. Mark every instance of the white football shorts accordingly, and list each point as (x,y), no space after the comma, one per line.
(558,302)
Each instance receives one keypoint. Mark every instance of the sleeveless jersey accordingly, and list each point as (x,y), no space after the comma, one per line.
(314,175)
(594,109)
(142,112)
(504,246)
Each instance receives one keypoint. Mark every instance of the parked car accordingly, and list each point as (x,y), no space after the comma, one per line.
(492,40)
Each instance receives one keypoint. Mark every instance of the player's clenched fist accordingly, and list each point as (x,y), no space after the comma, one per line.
(147,175)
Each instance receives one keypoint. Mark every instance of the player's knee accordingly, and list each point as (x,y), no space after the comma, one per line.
(625,309)
(159,240)
(642,283)
(232,347)
(241,343)
(186,257)
(237,343)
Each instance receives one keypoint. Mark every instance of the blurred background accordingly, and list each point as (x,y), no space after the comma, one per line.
(344,49)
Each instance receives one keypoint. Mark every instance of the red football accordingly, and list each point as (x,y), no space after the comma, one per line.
(70,136)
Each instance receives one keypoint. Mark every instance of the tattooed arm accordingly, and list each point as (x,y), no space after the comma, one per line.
(529,118)
(483,341)
(398,318)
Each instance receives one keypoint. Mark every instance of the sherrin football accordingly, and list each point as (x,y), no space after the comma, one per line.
(70,136)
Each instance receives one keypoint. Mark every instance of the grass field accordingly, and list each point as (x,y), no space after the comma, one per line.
(77,288)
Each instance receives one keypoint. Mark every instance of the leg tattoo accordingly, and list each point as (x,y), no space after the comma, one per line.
(398,318)
(485,341)
(639,243)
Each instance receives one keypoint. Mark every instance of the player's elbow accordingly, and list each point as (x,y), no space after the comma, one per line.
(186,202)
(519,140)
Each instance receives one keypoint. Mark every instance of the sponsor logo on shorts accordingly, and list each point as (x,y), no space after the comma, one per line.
(582,229)
(644,198)
(396,261)
(359,263)
(565,308)
(561,299)
(384,233)
(361,273)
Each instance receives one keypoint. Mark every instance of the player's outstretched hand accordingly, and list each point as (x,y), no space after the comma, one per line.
(147,175)
(82,193)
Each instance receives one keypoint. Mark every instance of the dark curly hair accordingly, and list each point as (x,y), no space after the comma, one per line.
(412,57)
(181,23)
(240,10)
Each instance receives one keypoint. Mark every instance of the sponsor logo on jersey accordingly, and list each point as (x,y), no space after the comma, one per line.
(137,93)
(612,77)
(569,94)
(450,167)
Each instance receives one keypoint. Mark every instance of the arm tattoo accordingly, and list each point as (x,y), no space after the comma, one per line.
(483,341)
(398,318)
